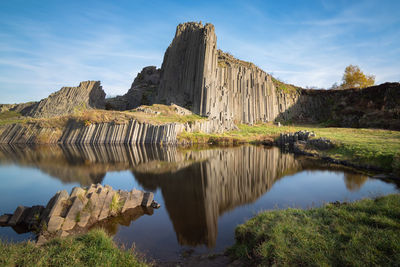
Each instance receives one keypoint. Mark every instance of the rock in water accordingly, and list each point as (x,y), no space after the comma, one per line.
(68,100)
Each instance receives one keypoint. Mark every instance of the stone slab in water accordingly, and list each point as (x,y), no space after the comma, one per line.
(15,218)
(4,219)
(67,214)
(147,199)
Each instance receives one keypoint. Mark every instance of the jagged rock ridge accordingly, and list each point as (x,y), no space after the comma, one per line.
(67,100)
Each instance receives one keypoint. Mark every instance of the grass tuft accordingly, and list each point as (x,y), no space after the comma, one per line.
(365,232)
(92,249)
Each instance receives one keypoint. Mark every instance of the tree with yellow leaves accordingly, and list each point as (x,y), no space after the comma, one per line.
(353,77)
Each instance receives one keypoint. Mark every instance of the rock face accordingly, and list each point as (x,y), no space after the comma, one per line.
(209,82)
(188,67)
(372,107)
(23,108)
(88,94)
(69,213)
(132,132)
(142,91)
(197,76)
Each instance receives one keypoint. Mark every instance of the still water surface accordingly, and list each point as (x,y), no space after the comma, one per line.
(204,193)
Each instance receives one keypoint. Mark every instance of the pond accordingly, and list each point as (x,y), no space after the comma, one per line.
(204,192)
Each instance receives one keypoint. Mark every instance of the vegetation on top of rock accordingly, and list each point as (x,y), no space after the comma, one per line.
(155,114)
(95,248)
(365,232)
(159,113)
(226,59)
(284,87)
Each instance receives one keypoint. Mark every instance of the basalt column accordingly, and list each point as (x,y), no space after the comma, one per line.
(189,67)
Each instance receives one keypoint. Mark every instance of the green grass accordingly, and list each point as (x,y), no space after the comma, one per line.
(366,232)
(92,249)
(10,117)
(375,147)
(116,205)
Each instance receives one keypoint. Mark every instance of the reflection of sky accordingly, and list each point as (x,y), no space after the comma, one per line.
(30,186)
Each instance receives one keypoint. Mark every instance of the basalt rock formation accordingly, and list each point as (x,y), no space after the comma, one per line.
(209,82)
(197,76)
(142,91)
(67,100)
(129,132)
(372,107)
(67,214)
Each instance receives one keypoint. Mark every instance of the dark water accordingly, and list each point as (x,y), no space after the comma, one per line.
(204,193)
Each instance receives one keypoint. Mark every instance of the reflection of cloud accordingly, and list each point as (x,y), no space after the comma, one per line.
(354,181)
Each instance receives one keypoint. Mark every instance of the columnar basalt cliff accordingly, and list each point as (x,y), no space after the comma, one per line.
(211,83)
(130,132)
(88,94)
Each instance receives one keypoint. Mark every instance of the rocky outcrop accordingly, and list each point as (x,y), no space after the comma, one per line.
(133,132)
(130,132)
(243,92)
(188,67)
(23,108)
(66,214)
(142,91)
(196,75)
(372,107)
(68,100)
(209,82)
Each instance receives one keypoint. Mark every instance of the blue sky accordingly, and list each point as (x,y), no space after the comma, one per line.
(45,45)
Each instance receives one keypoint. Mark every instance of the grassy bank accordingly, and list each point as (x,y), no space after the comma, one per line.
(366,232)
(374,147)
(92,249)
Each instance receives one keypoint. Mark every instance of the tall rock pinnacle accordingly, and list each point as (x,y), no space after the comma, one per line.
(189,67)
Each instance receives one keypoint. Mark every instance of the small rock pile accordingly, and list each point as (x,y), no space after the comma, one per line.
(288,139)
(66,213)
(299,140)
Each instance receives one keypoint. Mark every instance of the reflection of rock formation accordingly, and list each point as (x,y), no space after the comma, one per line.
(198,185)
(89,164)
(197,195)
(354,181)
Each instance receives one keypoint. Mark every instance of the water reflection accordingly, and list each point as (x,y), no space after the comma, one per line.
(197,185)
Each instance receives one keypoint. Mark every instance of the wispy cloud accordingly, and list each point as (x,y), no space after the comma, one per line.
(45,47)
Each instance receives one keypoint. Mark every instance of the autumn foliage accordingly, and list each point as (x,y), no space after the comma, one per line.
(353,77)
